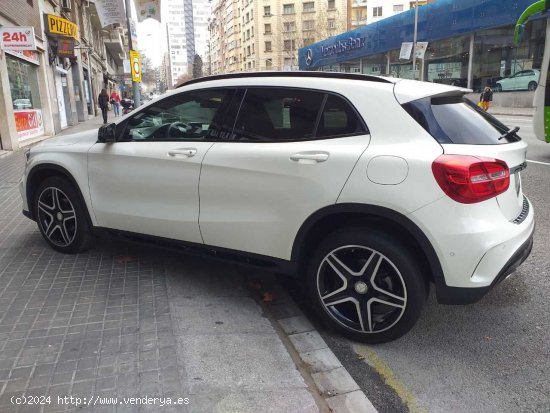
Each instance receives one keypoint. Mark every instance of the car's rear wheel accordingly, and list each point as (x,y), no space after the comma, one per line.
(498,88)
(61,217)
(366,285)
(532,86)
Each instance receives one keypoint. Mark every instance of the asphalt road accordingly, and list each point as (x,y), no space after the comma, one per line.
(492,356)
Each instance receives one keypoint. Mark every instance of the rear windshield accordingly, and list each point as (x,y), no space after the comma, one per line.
(455,119)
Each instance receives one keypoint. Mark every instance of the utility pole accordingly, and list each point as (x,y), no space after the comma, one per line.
(135,85)
(414,37)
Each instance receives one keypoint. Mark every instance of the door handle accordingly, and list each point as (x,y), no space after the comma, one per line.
(310,157)
(187,152)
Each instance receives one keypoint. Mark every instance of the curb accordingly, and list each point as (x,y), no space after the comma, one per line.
(332,381)
(526,115)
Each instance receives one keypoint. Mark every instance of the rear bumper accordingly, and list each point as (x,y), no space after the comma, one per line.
(458,295)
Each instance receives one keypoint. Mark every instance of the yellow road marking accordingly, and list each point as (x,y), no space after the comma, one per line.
(369,355)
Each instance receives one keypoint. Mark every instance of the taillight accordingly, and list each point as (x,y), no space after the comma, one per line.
(471,179)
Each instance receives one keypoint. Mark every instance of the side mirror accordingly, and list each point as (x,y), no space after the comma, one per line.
(107,133)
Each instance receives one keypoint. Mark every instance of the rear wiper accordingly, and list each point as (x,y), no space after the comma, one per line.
(506,135)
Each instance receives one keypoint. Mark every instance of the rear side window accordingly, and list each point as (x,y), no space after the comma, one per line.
(287,114)
(457,120)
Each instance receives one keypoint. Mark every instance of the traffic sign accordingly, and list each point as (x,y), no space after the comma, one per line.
(135,65)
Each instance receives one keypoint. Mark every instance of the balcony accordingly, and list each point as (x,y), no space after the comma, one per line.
(359,22)
(115,44)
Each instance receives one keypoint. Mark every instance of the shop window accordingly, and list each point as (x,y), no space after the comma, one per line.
(23,84)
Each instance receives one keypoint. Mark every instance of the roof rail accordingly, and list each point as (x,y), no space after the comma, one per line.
(332,75)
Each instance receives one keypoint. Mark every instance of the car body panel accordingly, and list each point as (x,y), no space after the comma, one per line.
(140,187)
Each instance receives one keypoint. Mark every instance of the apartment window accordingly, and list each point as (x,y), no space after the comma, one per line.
(331,4)
(247,17)
(248,34)
(288,8)
(268,46)
(268,64)
(289,27)
(248,50)
(289,45)
(377,12)
(331,23)
(309,41)
(267,28)
(308,25)
(397,8)
(267,10)
(309,7)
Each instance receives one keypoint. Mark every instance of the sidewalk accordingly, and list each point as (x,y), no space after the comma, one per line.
(507,111)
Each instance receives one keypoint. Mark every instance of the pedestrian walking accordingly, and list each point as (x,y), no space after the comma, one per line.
(115,101)
(485,98)
(103,101)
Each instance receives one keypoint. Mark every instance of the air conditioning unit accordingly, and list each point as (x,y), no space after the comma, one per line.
(66,5)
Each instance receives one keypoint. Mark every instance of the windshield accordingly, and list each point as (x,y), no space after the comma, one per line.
(457,120)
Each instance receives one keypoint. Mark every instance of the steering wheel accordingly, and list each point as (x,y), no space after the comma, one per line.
(180,126)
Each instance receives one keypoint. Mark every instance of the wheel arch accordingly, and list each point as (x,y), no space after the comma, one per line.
(329,218)
(46,170)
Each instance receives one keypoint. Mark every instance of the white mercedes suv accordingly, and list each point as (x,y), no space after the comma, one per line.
(368,188)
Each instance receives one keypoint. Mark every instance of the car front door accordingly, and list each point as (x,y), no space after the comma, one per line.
(147,181)
(289,154)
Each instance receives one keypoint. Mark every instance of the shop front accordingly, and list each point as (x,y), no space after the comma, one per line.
(62,36)
(25,95)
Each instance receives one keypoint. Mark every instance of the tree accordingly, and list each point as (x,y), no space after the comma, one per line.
(184,77)
(197,67)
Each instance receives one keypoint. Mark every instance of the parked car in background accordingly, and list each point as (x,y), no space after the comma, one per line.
(22,104)
(524,80)
(368,188)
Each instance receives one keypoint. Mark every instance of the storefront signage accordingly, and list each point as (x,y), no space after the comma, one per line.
(135,65)
(341,46)
(59,26)
(65,47)
(110,12)
(28,123)
(17,38)
(406,50)
(30,56)
(421,48)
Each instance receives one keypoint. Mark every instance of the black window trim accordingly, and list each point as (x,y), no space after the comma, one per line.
(326,93)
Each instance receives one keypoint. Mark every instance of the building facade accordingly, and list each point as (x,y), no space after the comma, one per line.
(187,31)
(56,86)
(470,44)
(381,9)
(250,35)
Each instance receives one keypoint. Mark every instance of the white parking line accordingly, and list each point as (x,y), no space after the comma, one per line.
(539,162)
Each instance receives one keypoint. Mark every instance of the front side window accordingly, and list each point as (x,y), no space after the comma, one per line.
(187,116)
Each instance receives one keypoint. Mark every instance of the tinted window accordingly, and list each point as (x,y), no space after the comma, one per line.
(458,120)
(338,118)
(278,114)
(292,114)
(186,116)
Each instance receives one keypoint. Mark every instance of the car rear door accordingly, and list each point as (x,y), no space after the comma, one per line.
(288,153)
(147,181)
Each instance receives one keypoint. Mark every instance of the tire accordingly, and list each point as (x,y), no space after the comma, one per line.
(61,217)
(498,88)
(532,86)
(354,272)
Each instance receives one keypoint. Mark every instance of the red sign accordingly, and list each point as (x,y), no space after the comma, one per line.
(28,123)
(18,38)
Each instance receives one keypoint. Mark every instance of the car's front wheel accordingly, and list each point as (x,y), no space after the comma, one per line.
(366,284)
(498,88)
(532,86)
(61,216)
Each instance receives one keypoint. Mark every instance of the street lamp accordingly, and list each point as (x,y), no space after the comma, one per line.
(414,36)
